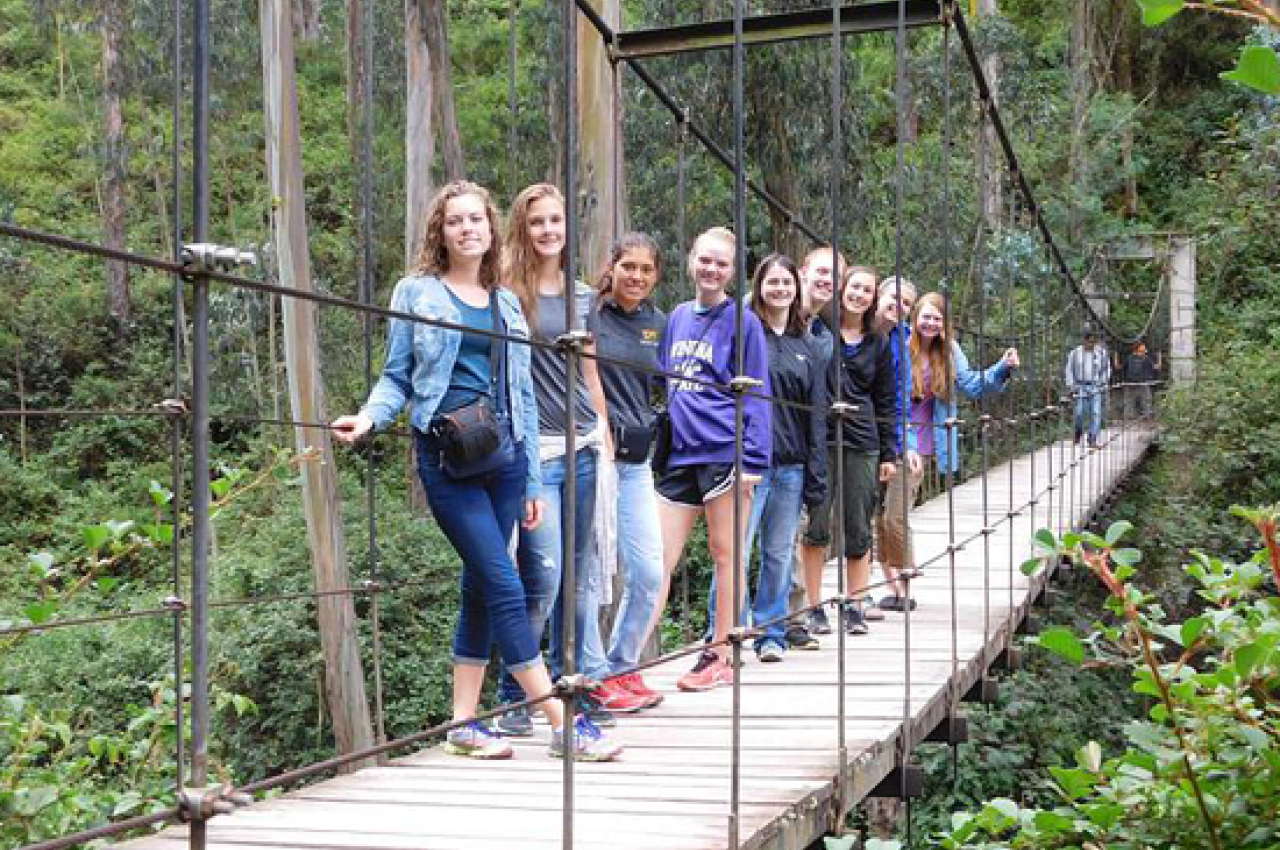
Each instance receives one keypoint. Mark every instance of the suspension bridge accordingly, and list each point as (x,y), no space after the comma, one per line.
(779,759)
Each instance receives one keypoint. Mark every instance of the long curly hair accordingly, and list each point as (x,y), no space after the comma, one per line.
(433,258)
(520,259)
(937,353)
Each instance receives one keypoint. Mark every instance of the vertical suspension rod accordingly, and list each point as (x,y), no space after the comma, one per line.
(200,449)
(739,354)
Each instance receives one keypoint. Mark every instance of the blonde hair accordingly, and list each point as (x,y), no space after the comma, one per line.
(723,234)
(520,259)
(942,377)
(433,258)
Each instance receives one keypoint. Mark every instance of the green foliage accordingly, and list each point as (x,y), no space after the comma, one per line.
(1202,767)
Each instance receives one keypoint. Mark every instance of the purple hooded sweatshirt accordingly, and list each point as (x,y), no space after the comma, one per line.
(701,345)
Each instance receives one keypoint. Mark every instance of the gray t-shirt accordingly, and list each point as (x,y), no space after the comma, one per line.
(549,374)
(633,337)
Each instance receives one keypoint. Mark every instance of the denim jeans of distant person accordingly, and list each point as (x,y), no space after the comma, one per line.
(541,564)
(1089,410)
(640,562)
(775,518)
(478,516)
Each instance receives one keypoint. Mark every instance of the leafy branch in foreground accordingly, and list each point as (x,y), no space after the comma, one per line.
(1259,65)
(1202,770)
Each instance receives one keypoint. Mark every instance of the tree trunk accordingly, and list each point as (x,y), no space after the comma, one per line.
(419,142)
(419,147)
(599,204)
(355,81)
(1081,52)
(344,678)
(1127,34)
(774,145)
(306,20)
(436,34)
(113,181)
(989,155)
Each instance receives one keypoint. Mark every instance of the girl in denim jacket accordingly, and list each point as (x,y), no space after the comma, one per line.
(436,370)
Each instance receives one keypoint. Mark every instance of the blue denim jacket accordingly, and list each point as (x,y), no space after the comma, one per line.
(973,384)
(420,360)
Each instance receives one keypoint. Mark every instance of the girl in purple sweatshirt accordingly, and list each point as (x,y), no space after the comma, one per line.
(700,345)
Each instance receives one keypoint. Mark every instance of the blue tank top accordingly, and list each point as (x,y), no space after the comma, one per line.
(472,374)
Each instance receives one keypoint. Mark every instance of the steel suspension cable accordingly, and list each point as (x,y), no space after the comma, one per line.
(569,565)
(368,275)
(200,438)
(176,474)
(739,415)
(836,369)
(900,95)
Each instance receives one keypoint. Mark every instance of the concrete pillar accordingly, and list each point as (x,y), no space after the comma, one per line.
(1182,311)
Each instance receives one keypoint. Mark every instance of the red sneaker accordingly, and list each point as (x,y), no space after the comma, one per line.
(634,683)
(708,673)
(618,700)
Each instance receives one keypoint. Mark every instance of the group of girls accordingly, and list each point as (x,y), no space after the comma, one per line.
(469,278)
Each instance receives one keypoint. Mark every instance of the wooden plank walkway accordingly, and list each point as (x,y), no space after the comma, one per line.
(671,789)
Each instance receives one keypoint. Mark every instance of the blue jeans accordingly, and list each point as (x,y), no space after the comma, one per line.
(479,516)
(541,563)
(1089,407)
(640,559)
(775,517)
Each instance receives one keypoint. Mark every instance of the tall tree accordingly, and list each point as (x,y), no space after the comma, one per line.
(600,158)
(344,679)
(306,20)
(114,203)
(436,34)
(419,141)
(989,167)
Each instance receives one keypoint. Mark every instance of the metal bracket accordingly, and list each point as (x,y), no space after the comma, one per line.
(173,406)
(202,804)
(744,383)
(205,257)
(574,341)
(843,409)
(371,586)
(174,604)
(577,685)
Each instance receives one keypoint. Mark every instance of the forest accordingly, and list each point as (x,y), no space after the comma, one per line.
(1131,119)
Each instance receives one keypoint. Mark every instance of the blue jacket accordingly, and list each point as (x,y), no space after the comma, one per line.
(899,336)
(420,360)
(973,384)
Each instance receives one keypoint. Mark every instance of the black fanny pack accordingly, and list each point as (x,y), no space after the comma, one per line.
(473,440)
(631,443)
(477,439)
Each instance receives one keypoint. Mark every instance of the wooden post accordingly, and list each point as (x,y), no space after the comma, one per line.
(344,678)
(599,196)
(1182,311)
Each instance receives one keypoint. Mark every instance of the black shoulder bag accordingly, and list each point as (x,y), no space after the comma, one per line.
(477,439)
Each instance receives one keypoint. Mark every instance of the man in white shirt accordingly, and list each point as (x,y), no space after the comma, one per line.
(1087,374)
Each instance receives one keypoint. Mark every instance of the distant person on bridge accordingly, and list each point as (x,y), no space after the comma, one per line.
(1087,374)
(465,392)
(629,327)
(700,477)
(1140,372)
(870,444)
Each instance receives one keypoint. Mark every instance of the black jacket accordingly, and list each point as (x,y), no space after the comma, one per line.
(867,381)
(799,433)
